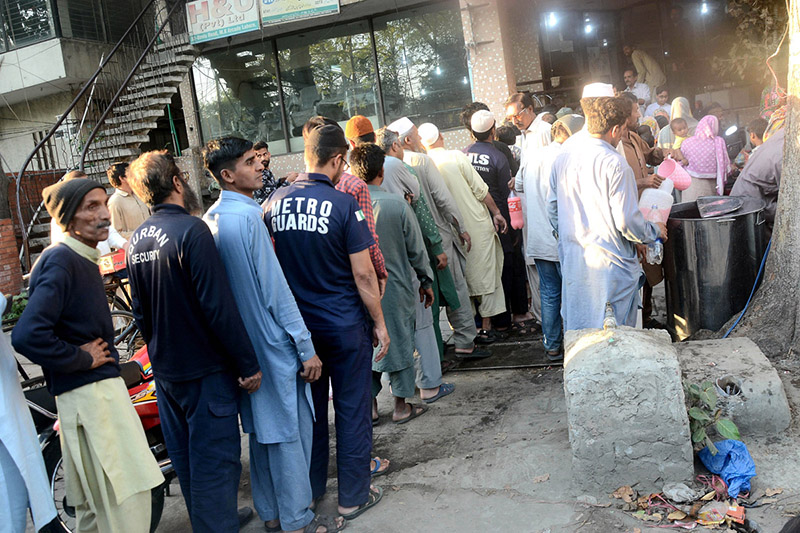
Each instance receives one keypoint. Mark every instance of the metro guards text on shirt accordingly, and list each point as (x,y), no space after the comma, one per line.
(301,214)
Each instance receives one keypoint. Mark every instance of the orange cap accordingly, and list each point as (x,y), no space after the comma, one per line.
(358,126)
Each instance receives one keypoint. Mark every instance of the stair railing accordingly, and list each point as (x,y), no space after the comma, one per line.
(142,29)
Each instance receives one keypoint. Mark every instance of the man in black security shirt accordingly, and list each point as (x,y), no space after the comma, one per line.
(197,341)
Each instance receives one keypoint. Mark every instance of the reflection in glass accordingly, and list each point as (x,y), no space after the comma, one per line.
(422,63)
(328,72)
(237,94)
(26,21)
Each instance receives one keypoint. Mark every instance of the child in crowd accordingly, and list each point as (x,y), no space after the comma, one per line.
(680,128)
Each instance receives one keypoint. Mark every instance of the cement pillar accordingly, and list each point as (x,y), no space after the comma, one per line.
(191,158)
(489,44)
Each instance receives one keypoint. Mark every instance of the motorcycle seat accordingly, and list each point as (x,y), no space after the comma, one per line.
(131,373)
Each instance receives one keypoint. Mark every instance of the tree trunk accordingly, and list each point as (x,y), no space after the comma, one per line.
(773,319)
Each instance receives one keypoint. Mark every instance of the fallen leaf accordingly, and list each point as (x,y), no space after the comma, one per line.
(676,515)
(637,530)
(641,515)
(625,493)
(773,492)
(541,479)
(708,497)
(768,500)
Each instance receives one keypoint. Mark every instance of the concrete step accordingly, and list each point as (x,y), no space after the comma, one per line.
(42,228)
(158,61)
(147,103)
(148,83)
(171,41)
(142,94)
(109,155)
(40,242)
(129,127)
(138,116)
(121,140)
(167,70)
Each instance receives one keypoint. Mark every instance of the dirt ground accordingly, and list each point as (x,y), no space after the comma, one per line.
(495,456)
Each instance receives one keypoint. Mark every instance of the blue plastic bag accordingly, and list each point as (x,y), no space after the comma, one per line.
(732,463)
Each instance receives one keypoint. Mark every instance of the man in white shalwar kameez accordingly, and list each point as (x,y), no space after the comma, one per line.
(595,210)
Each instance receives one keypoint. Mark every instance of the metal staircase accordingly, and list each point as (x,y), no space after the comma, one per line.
(117,107)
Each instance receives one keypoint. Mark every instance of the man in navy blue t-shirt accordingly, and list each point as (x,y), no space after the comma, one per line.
(493,167)
(322,242)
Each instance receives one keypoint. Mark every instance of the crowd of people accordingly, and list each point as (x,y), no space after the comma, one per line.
(293,292)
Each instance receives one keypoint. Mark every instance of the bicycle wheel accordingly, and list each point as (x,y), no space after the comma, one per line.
(127,337)
(115,303)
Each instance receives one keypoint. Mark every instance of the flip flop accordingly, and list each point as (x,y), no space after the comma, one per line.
(476,353)
(377,470)
(416,410)
(272,529)
(444,390)
(374,497)
(376,422)
(484,337)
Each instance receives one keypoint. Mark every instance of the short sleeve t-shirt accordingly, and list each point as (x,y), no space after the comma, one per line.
(492,166)
(316,228)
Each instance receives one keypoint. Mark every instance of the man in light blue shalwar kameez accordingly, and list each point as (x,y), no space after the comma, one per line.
(279,415)
(594,207)
(23,480)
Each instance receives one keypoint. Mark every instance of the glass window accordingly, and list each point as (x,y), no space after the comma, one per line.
(328,72)
(423,65)
(237,94)
(27,21)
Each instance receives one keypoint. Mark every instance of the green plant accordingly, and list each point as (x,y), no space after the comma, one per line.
(704,415)
(18,304)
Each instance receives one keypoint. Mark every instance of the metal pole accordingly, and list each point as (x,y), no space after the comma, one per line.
(281,103)
(378,86)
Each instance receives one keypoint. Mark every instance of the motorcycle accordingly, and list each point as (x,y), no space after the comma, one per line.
(138,376)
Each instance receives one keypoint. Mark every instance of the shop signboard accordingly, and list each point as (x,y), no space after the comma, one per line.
(279,11)
(215,19)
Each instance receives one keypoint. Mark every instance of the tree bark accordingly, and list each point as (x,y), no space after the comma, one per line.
(773,320)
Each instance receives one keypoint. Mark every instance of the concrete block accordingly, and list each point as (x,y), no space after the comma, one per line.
(762,408)
(626,410)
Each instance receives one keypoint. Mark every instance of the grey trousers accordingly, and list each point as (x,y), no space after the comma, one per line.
(536,298)
(426,361)
(463,318)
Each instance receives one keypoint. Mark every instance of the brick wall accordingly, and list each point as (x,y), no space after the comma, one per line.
(30,194)
(10,270)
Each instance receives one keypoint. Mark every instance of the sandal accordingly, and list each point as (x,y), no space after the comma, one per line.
(377,470)
(375,495)
(485,337)
(328,522)
(444,390)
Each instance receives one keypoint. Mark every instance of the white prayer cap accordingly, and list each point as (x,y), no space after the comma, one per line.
(429,133)
(482,121)
(596,90)
(401,126)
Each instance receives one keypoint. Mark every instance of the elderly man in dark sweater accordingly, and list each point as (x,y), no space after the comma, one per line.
(67,329)
(198,344)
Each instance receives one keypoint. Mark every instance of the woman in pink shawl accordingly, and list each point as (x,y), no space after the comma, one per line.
(708,161)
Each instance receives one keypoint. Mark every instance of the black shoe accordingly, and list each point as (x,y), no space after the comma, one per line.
(245,515)
(555,357)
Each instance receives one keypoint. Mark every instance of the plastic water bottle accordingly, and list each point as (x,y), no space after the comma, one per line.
(655,252)
(515,211)
(609,320)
